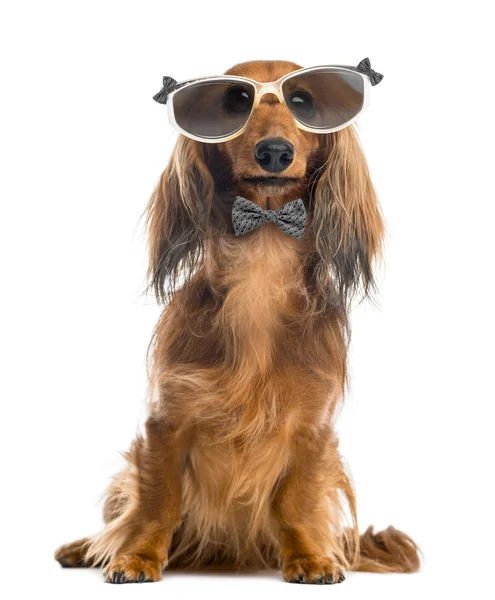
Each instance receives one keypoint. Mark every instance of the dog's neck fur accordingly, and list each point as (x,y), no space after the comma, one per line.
(260,276)
(272,198)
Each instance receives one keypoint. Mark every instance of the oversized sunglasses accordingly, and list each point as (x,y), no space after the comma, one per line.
(217,109)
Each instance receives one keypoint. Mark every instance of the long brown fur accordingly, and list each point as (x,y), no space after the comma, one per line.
(239,464)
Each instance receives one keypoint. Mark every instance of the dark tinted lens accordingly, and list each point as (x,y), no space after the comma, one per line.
(302,104)
(237,99)
(324,99)
(213,109)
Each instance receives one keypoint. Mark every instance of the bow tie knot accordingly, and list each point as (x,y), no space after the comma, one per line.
(270,216)
(290,218)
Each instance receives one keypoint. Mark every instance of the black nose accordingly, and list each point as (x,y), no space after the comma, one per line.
(274,154)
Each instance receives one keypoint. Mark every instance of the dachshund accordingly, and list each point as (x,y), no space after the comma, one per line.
(238,465)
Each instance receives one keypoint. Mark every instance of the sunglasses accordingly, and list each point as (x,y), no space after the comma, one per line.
(217,109)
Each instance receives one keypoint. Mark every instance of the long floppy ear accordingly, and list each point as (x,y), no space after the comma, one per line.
(177,218)
(347,219)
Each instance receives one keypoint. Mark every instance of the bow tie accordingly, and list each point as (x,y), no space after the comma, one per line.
(365,67)
(290,218)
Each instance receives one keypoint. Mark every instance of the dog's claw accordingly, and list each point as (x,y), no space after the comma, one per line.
(132,569)
(299,579)
(119,577)
(324,579)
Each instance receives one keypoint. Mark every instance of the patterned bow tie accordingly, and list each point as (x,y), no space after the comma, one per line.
(290,218)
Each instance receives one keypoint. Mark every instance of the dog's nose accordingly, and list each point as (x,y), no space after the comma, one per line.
(274,154)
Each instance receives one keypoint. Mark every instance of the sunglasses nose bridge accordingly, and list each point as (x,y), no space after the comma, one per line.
(268,88)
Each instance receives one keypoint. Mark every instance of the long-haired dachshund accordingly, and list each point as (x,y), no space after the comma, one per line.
(239,464)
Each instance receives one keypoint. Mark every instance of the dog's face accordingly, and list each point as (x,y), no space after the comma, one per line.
(271,163)
(273,157)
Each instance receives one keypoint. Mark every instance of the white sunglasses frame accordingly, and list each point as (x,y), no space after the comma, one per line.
(272,87)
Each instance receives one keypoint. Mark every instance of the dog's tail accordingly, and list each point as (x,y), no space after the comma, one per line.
(388,551)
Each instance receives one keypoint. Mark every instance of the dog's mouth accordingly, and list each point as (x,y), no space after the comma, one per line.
(272,181)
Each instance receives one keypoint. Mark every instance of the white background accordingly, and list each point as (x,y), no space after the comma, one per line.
(82,146)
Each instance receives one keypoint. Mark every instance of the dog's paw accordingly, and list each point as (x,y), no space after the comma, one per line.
(312,569)
(72,555)
(132,569)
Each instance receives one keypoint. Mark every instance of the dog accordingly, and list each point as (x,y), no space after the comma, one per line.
(239,466)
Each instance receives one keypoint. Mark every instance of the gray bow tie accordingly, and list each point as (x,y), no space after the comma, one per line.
(290,218)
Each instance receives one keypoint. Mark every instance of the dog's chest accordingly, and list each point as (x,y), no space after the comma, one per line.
(233,477)
(262,277)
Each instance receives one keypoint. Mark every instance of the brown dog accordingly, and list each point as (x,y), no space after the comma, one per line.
(239,465)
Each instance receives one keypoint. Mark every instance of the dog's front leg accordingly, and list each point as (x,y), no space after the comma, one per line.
(138,540)
(309,546)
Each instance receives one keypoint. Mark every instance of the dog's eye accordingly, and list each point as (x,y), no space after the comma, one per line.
(237,99)
(301,103)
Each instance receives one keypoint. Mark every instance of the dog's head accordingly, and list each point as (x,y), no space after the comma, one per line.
(271,163)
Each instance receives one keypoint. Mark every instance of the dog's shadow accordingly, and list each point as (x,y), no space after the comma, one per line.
(215,572)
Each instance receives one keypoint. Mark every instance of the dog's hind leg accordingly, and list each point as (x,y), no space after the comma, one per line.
(143,508)
(74,555)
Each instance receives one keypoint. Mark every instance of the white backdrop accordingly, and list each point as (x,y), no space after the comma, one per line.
(82,146)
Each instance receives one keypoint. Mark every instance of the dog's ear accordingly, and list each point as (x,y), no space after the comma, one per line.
(177,218)
(347,219)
